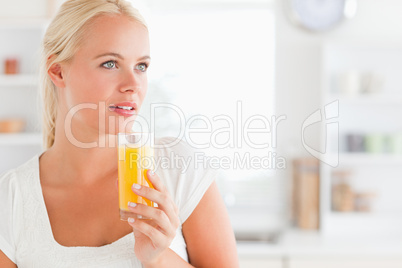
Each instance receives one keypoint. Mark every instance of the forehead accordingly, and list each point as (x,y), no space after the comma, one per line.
(115,33)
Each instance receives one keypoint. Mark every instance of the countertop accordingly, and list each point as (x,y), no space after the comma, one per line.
(295,243)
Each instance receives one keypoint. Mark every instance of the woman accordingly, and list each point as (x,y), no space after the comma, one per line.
(60,209)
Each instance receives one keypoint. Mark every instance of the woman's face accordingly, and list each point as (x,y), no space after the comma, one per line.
(106,80)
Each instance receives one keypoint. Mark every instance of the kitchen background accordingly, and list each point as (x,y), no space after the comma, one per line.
(334,93)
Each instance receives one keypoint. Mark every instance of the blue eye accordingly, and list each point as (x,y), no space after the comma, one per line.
(142,67)
(109,64)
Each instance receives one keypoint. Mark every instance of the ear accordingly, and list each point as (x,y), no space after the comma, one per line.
(55,73)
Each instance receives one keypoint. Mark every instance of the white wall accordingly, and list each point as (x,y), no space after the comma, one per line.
(23,9)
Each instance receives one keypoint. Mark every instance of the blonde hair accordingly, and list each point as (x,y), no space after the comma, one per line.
(61,41)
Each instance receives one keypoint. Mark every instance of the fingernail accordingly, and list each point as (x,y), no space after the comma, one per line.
(136,186)
(132,204)
(152,172)
(131,220)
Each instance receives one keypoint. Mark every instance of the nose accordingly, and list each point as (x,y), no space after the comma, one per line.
(130,82)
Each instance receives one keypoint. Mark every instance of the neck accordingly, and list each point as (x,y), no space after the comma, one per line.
(84,158)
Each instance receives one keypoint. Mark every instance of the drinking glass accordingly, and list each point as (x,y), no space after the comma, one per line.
(135,157)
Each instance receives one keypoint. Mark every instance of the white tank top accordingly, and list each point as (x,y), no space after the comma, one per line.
(26,237)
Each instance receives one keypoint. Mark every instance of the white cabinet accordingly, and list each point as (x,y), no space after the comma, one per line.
(300,249)
(364,132)
(319,262)
(260,262)
(343,263)
(260,255)
(19,92)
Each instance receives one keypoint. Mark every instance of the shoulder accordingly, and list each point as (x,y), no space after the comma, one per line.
(15,186)
(11,180)
(180,150)
(165,145)
(177,156)
(8,183)
(184,171)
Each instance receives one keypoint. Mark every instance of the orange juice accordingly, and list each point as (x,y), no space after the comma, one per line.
(133,164)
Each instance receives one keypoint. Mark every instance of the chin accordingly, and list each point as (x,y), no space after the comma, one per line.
(122,125)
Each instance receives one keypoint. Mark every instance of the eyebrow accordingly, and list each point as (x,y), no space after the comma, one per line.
(117,55)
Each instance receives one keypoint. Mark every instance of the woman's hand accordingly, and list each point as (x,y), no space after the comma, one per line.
(153,236)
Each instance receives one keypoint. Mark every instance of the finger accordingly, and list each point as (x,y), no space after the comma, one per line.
(157,215)
(159,240)
(152,194)
(163,200)
(156,181)
(156,184)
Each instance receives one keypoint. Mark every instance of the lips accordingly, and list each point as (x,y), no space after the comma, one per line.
(124,108)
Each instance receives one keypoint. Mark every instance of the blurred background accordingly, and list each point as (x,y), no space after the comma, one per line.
(316,83)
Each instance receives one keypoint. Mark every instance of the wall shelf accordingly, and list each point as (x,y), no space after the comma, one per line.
(367,99)
(26,23)
(366,114)
(20,139)
(369,159)
(21,38)
(18,80)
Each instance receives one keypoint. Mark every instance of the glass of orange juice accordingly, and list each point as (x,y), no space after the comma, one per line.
(135,157)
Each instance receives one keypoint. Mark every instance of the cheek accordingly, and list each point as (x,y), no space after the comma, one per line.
(88,89)
(83,95)
(144,90)
(143,93)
